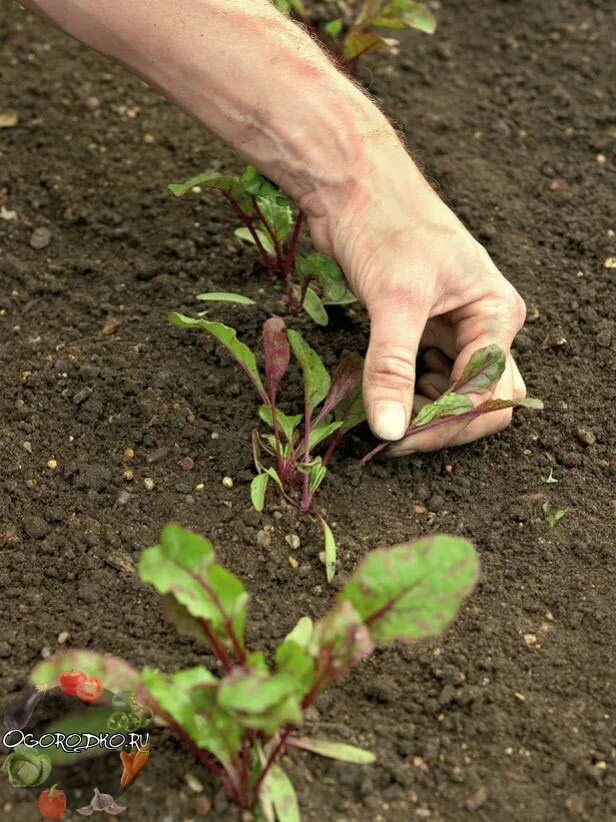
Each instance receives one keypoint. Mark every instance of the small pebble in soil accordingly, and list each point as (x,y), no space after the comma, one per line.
(148,484)
(264,539)
(200,486)
(128,474)
(187,463)
(40,238)
(530,639)
(293,540)
(436,503)
(27,446)
(110,326)
(476,800)
(81,396)
(158,455)
(586,436)
(571,459)
(62,637)
(293,563)
(227,482)
(35,527)
(193,783)
(52,464)
(418,510)
(129,453)
(421,492)
(123,498)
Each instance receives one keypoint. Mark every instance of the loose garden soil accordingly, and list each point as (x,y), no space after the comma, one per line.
(511,715)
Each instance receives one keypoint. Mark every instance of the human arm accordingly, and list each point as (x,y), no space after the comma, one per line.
(261,83)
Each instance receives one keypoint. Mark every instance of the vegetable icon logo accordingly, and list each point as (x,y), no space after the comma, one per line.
(99,716)
(52,803)
(102,802)
(26,767)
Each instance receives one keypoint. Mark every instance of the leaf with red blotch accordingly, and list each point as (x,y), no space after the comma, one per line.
(277,354)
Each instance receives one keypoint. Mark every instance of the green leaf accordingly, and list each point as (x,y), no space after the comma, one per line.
(315,308)
(228,337)
(346,379)
(316,378)
(280,790)
(262,701)
(258,487)
(330,551)
(91,720)
(256,184)
(316,471)
(287,424)
(243,233)
(483,370)
(400,13)
(189,698)
(294,659)
(334,28)
(339,641)
(301,633)
(413,591)
(449,405)
(182,620)
(498,405)
(183,565)
(115,674)
(357,43)
(287,6)
(553,517)
(278,217)
(321,433)
(274,475)
(227,183)
(225,297)
(351,410)
(327,273)
(334,750)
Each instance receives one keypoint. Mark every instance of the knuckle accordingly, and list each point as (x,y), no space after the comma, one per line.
(394,368)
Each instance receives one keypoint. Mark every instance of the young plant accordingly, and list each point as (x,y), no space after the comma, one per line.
(484,370)
(352,32)
(332,407)
(239,724)
(272,223)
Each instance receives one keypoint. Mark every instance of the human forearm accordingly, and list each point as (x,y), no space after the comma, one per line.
(251,76)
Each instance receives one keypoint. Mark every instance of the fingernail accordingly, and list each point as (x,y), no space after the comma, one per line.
(389,420)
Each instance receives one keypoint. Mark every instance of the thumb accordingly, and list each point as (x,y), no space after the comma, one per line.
(397,323)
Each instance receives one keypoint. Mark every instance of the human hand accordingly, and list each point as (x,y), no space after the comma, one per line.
(429,288)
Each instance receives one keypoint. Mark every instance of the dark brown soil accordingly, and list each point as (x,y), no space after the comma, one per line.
(511,108)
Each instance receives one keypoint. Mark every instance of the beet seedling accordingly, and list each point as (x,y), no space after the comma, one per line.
(354,31)
(272,223)
(332,407)
(240,723)
(484,370)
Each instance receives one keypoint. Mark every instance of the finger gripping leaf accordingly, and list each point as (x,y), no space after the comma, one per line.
(483,370)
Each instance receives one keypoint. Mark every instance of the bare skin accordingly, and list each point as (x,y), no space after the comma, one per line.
(261,83)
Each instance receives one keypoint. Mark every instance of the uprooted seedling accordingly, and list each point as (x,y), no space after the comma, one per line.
(481,375)
(271,222)
(353,30)
(239,724)
(332,407)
